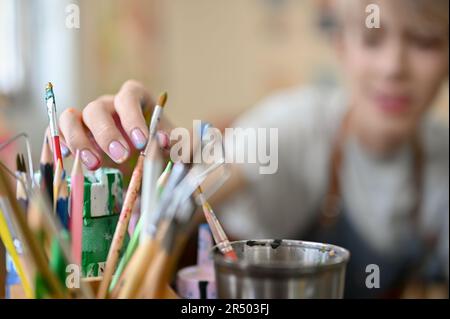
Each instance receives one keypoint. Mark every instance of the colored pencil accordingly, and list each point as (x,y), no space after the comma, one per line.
(62,202)
(57,180)
(29,240)
(8,241)
(46,168)
(76,200)
(21,174)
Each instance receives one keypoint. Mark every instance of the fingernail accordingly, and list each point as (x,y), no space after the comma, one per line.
(163,139)
(117,152)
(64,150)
(89,159)
(138,138)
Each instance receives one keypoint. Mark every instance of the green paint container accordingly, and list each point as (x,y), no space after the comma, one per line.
(103,199)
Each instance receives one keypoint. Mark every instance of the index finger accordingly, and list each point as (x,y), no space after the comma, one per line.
(130,104)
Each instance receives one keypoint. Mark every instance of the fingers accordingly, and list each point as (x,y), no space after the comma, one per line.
(111,124)
(99,119)
(129,104)
(65,151)
(76,137)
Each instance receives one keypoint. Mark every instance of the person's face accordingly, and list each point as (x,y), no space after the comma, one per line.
(394,72)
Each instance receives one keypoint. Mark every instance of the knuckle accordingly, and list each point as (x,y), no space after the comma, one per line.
(103,133)
(67,116)
(91,109)
(131,85)
(71,137)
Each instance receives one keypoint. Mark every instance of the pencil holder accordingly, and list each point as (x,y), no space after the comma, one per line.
(288,269)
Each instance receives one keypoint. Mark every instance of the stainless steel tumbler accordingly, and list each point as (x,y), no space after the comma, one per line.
(281,269)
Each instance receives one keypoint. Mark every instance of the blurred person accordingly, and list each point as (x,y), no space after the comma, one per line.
(364,167)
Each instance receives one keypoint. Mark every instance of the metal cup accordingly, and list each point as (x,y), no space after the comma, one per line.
(290,269)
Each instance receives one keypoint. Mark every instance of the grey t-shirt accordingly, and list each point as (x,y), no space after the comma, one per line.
(378,194)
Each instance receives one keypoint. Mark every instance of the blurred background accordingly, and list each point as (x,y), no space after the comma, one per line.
(215,58)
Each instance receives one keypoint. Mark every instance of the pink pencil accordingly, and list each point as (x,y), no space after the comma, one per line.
(76,208)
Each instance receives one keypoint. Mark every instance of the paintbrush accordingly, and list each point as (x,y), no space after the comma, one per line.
(134,241)
(53,124)
(217,231)
(121,228)
(152,170)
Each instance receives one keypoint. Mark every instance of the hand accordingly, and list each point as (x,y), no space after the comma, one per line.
(111,124)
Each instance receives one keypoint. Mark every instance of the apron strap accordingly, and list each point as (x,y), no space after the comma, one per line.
(332,204)
(331,208)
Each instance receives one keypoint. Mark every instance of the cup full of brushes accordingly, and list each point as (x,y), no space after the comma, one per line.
(271,269)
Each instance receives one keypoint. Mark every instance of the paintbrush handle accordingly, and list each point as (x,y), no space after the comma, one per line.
(57,150)
(121,228)
(157,274)
(218,233)
(138,267)
(141,261)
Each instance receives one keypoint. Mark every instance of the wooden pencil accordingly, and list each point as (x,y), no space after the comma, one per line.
(57,179)
(8,241)
(46,168)
(62,203)
(35,250)
(21,174)
(2,270)
(76,202)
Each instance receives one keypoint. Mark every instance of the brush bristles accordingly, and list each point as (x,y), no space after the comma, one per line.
(20,163)
(24,166)
(162,99)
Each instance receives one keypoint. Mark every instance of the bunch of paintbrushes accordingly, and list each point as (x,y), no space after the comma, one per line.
(167,209)
(34,223)
(50,230)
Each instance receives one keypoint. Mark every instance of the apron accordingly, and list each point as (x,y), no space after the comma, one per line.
(335,227)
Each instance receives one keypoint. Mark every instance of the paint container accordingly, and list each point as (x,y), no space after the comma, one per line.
(103,199)
(288,269)
(198,282)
